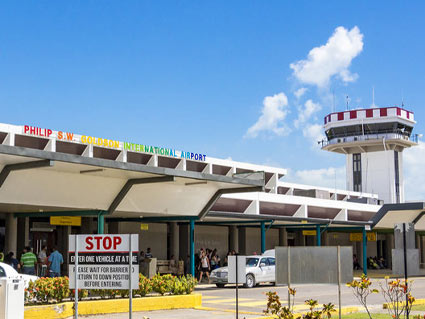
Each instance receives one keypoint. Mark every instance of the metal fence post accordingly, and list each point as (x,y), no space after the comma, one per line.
(76,277)
(364,251)
(263,237)
(130,291)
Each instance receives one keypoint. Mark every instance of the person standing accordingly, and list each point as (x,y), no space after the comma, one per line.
(42,259)
(205,267)
(55,262)
(12,261)
(28,261)
(148,253)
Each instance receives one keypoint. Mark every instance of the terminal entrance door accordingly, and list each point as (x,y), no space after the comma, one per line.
(39,239)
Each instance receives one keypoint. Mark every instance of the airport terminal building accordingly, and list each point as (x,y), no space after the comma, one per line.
(56,183)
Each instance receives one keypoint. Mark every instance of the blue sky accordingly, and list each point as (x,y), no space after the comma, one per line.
(193,74)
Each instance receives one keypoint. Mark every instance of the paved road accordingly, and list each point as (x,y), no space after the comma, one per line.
(255,299)
(175,314)
(220,303)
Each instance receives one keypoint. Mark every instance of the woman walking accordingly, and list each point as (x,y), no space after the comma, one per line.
(205,267)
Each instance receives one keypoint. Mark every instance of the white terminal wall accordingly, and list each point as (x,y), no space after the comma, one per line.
(378,174)
(212,237)
(155,237)
(253,240)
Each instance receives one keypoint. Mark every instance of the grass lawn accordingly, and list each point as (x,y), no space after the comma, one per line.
(418,308)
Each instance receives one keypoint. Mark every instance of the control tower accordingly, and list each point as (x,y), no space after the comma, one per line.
(373,141)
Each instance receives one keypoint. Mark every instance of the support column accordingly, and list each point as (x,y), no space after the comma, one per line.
(63,233)
(100,223)
(421,248)
(27,231)
(192,246)
(418,245)
(242,240)
(283,237)
(174,232)
(364,251)
(318,236)
(233,238)
(325,238)
(263,237)
(184,246)
(389,239)
(11,238)
(299,238)
(24,238)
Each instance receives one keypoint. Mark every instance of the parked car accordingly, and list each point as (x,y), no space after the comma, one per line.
(259,269)
(9,272)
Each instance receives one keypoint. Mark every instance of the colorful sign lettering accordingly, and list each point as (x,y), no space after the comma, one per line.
(103,142)
(359,236)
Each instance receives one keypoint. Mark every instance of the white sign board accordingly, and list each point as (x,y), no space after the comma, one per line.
(103,261)
(241,269)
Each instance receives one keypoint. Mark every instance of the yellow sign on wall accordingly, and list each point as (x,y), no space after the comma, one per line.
(359,236)
(65,220)
(309,232)
(144,226)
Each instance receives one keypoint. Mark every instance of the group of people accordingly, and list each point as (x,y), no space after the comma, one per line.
(372,263)
(44,265)
(206,260)
(376,263)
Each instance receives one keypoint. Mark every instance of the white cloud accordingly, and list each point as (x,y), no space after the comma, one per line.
(414,173)
(325,177)
(332,59)
(314,132)
(305,113)
(300,92)
(273,114)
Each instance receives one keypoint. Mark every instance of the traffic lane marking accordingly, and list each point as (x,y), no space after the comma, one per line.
(210,297)
(226,300)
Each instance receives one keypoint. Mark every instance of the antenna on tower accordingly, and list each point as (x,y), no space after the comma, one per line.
(347,100)
(402,99)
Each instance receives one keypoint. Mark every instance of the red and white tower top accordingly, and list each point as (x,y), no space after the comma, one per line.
(365,130)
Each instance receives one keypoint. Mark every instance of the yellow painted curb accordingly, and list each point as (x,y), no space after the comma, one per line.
(417,302)
(95,307)
(227,310)
(61,310)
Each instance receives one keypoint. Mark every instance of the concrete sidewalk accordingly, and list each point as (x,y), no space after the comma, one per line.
(177,314)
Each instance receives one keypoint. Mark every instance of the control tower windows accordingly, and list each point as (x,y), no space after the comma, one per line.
(397,177)
(357,172)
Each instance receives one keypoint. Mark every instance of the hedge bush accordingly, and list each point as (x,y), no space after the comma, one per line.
(54,290)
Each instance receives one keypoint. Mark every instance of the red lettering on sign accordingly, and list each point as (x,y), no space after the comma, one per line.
(107,243)
(117,241)
(26,128)
(98,239)
(89,245)
(102,243)
(69,136)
